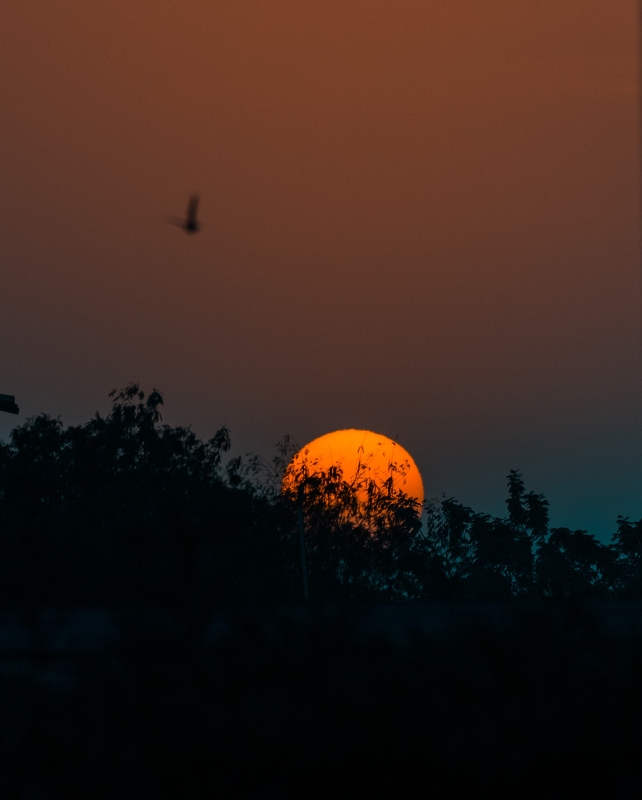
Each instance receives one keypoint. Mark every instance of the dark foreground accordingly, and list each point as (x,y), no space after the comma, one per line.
(434,701)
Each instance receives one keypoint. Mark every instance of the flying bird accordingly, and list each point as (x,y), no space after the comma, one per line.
(191,223)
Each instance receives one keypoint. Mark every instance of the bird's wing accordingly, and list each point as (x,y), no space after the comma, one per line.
(192,208)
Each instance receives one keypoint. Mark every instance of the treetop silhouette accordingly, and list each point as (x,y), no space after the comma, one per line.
(127,509)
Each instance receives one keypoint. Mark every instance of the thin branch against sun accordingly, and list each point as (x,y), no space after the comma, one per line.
(361,458)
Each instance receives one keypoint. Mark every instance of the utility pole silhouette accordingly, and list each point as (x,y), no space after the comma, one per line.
(8,404)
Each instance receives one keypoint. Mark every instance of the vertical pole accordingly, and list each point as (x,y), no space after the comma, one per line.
(304,565)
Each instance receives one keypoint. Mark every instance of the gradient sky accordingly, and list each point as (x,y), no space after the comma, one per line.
(419,217)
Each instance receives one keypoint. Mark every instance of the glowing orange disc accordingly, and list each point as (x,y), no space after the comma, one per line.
(361,454)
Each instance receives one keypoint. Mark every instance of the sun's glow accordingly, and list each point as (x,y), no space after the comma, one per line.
(360,453)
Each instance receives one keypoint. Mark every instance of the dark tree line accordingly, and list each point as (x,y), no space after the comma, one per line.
(126,510)
(520,556)
(127,513)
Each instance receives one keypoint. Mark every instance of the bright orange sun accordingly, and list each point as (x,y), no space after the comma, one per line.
(360,453)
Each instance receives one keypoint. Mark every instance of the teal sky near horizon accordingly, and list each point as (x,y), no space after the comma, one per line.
(419,218)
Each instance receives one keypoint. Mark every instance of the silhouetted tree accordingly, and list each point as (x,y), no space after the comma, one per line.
(536,507)
(574,564)
(125,509)
(627,547)
(517,514)
(128,510)
(489,557)
(361,534)
(447,529)
(526,511)
(502,559)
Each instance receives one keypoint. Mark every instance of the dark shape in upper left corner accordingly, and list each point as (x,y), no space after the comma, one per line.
(8,404)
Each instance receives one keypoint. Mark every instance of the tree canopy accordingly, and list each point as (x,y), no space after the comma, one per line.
(126,509)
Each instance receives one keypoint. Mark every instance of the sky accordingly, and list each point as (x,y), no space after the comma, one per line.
(419,217)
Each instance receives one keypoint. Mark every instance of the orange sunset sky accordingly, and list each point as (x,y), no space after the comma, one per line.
(419,217)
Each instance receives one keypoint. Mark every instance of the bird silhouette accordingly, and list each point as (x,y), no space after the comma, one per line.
(190,224)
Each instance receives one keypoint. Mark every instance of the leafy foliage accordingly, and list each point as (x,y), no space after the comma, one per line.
(361,534)
(128,510)
(125,509)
